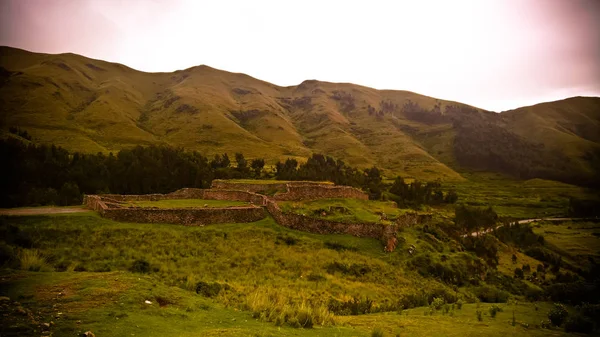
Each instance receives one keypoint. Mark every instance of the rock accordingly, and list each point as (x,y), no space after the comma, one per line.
(88,334)
(147,302)
(4,299)
(45,326)
(21,311)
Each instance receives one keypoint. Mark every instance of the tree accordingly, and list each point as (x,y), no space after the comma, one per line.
(69,194)
(257,165)
(242,163)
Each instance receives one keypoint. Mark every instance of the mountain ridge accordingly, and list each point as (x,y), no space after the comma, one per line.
(90,105)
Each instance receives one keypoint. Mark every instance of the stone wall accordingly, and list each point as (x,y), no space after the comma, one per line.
(296,192)
(111,206)
(187,216)
(385,233)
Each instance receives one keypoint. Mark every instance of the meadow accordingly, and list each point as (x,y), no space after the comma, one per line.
(98,274)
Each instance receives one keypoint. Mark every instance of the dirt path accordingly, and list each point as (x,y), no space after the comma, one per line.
(528,221)
(41,210)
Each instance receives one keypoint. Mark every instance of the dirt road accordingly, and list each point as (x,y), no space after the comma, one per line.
(529,221)
(41,210)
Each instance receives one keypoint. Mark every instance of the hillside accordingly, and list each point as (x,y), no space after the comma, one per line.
(95,106)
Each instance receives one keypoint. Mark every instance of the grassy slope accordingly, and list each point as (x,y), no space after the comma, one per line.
(111,303)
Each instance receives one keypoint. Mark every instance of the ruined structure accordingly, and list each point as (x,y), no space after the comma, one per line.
(112,206)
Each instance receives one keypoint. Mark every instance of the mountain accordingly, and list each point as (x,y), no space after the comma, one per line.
(90,105)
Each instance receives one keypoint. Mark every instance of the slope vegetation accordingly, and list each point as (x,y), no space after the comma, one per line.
(94,106)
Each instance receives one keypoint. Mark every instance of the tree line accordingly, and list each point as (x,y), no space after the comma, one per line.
(50,175)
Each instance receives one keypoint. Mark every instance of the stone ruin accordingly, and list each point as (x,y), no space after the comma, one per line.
(112,206)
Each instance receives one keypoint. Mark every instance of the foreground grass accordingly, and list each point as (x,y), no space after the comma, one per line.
(345,210)
(114,304)
(187,203)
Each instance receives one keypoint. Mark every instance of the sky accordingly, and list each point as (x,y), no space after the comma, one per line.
(493,54)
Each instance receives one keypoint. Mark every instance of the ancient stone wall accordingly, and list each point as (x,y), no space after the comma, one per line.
(314,192)
(95,203)
(111,206)
(187,216)
(385,233)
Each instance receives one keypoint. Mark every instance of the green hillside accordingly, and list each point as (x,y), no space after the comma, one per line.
(93,106)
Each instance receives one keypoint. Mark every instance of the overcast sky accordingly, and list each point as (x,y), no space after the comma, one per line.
(494,54)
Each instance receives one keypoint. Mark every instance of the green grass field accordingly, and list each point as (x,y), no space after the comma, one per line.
(517,199)
(345,210)
(98,273)
(186,203)
(113,304)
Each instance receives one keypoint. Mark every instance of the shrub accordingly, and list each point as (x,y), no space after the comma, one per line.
(305,318)
(7,254)
(208,289)
(479,314)
(354,306)
(140,266)
(339,246)
(459,304)
(579,323)
(491,294)
(558,314)
(437,303)
(377,332)
(352,270)
(316,277)
(494,309)
(288,240)
(32,260)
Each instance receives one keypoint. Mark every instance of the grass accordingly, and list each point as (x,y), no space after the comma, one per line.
(186,203)
(578,241)
(513,198)
(113,304)
(345,210)
(281,280)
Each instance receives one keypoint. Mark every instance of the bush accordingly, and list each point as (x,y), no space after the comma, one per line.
(316,277)
(208,289)
(490,294)
(479,314)
(32,260)
(7,254)
(339,246)
(140,266)
(352,270)
(377,332)
(459,304)
(494,309)
(288,240)
(579,323)
(558,314)
(437,303)
(305,318)
(354,306)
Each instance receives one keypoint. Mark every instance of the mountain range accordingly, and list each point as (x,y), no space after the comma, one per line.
(90,106)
